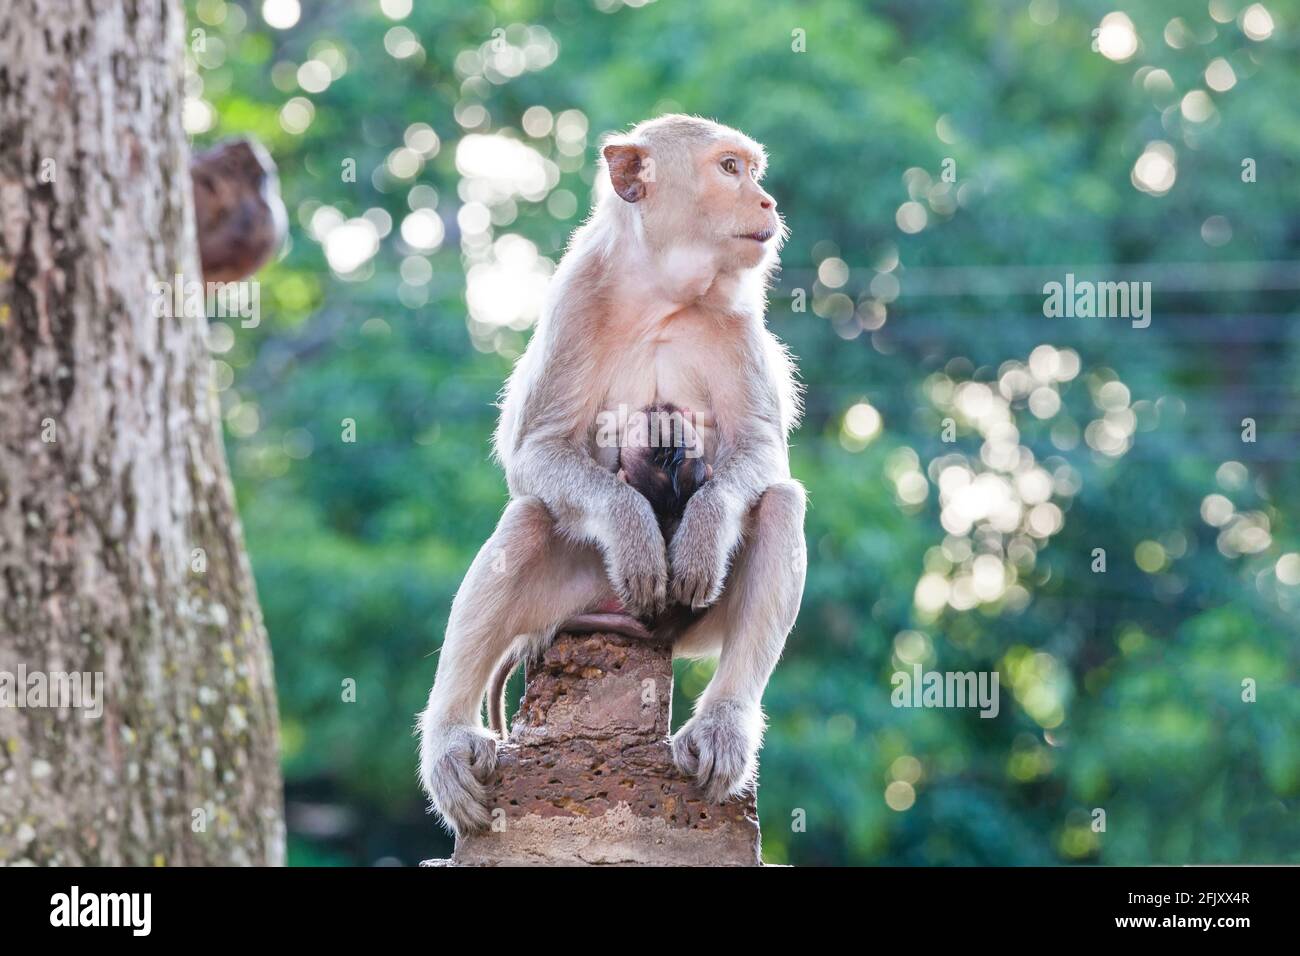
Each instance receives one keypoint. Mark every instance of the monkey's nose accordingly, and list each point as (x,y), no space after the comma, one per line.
(767,202)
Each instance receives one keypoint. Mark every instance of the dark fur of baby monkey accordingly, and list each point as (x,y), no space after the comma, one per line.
(667,476)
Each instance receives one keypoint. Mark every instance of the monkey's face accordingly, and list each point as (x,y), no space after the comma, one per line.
(738,212)
(697,187)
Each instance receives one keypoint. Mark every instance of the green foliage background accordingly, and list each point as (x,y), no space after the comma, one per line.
(1120,690)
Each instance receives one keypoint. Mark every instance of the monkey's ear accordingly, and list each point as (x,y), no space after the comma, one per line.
(625,163)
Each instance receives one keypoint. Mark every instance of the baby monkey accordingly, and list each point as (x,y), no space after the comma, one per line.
(661,458)
(665,463)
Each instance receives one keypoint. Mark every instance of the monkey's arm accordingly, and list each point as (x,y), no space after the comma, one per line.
(581,495)
(748,463)
(709,534)
(549,407)
(752,455)
(589,503)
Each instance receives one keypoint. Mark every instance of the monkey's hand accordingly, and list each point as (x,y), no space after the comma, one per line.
(456,762)
(718,747)
(700,551)
(635,554)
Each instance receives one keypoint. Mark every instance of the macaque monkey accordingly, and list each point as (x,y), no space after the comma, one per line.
(659,300)
(239,216)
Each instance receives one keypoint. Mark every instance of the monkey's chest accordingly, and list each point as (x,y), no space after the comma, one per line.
(665,375)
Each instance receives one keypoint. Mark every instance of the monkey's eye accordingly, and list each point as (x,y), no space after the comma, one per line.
(729,166)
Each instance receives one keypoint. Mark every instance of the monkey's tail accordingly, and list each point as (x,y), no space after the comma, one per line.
(497,696)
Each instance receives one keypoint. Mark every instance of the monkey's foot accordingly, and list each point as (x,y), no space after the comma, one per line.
(456,762)
(719,746)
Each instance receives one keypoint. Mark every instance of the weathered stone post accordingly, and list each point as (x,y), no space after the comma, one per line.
(587,776)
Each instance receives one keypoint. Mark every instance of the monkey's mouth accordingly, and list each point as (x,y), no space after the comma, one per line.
(761,236)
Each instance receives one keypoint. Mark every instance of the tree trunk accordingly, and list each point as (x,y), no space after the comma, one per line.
(120,549)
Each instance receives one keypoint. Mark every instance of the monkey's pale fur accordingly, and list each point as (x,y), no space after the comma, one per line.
(660,298)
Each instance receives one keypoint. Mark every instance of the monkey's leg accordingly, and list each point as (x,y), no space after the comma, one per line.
(525,581)
(719,744)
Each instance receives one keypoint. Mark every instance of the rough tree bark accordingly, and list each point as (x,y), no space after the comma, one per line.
(120,549)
